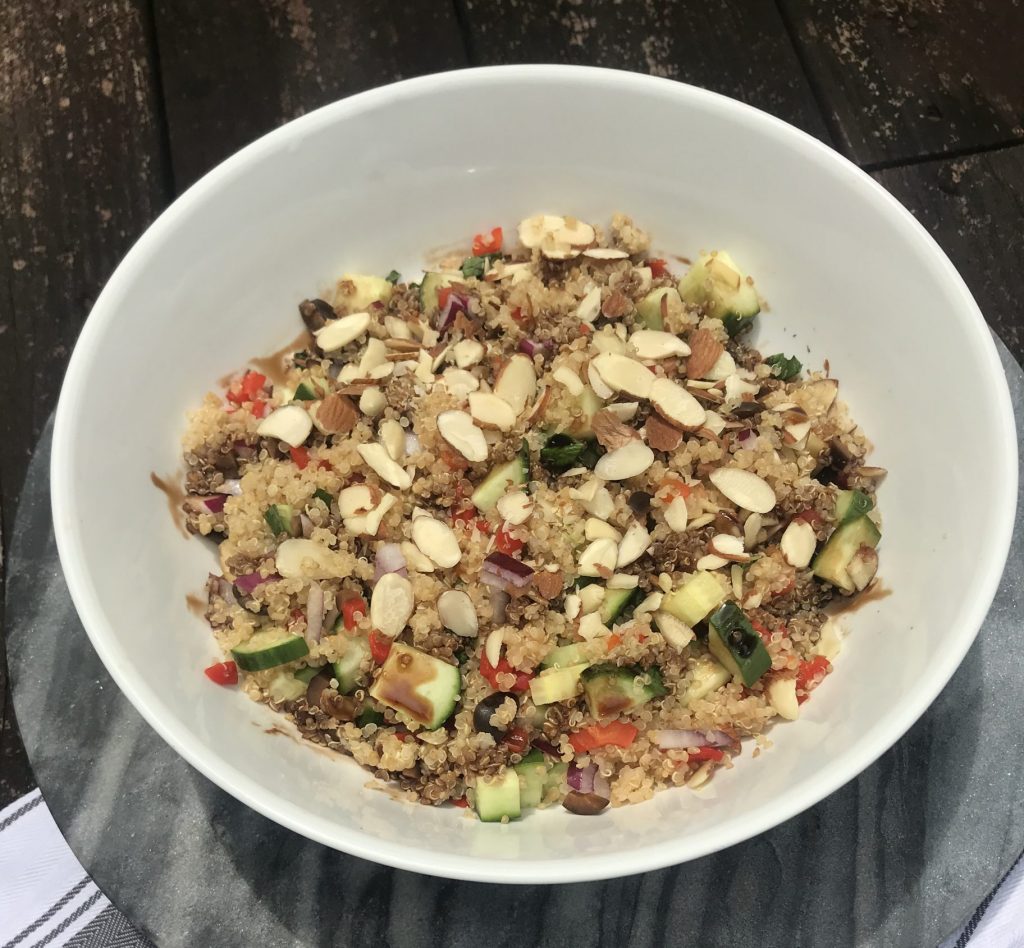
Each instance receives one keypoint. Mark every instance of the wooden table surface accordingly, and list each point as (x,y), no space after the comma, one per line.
(110,108)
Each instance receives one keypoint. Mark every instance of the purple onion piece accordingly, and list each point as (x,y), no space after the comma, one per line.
(532,347)
(314,612)
(389,559)
(508,569)
(601,785)
(455,304)
(248,582)
(547,748)
(214,504)
(582,778)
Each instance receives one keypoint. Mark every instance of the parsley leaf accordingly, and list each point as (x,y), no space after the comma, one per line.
(784,367)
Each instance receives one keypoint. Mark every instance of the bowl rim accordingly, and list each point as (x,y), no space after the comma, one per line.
(673,850)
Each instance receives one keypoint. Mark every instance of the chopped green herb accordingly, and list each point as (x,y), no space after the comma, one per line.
(321,494)
(369,716)
(561,452)
(590,454)
(393,277)
(736,325)
(478,266)
(305,392)
(784,367)
(307,674)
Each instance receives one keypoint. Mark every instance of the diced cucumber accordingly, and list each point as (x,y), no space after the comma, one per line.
(349,668)
(305,393)
(269,648)
(692,601)
(720,286)
(286,687)
(369,715)
(615,602)
(563,656)
(498,797)
(357,291)
(851,504)
(835,556)
(556,776)
(736,645)
(432,282)
(279,518)
(419,686)
(706,675)
(307,674)
(612,690)
(649,308)
(591,405)
(515,472)
(556,684)
(532,771)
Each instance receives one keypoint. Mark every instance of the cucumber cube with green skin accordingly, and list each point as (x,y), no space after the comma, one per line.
(563,656)
(349,668)
(590,404)
(532,771)
(515,473)
(556,776)
(694,600)
(420,687)
(432,282)
(851,504)
(369,715)
(706,675)
(279,518)
(612,690)
(736,645)
(305,393)
(285,687)
(498,797)
(358,291)
(556,684)
(649,309)
(268,649)
(717,284)
(839,550)
(307,674)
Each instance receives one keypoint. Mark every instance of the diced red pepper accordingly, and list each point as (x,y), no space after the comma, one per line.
(762,630)
(300,456)
(403,735)
(811,516)
(673,487)
(517,314)
(705,753)
(467,516)
(613,640)
(380,646)
(521,684)
(615,733)
(809,674)
(259,408)
(460,802)
(453,460)
(484,245)
(248,388)
(506,543)
(222,673)
(324,465)
(517,739)
(659,267)
(351,609)
(586,329)
(442,296)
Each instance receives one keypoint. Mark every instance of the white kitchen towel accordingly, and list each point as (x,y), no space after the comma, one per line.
(46,897)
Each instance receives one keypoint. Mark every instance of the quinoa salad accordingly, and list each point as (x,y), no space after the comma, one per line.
(538,527)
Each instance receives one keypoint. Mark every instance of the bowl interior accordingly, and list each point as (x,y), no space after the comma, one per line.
(386,179)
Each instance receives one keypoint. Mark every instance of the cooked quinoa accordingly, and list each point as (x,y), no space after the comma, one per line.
(539,529)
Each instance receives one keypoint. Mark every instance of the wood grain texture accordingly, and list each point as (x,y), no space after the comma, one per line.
(905,78)
(974,206)
(736,48)
(235,69)
(81,175)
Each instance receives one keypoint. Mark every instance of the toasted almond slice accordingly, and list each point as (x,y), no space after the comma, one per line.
(714,422)
(574,232)
(415,560)
(457,613)
(601,390)
(489,411)
(515,507)
(736,388)
(624,374)
(591,598)
(623,581)
(728,547)
(595,529)
(533,230)
(798,543)
(517,382)
(781,692)
(340,332)
(372,402)
(591,627)
(590,305)
(795,436)
(348,373)
(633,545)
(646,276)
(437,357)
(705,350)
(702,521)
(397,327)
(467,352)
(374,518)
(290,424)
(377,457)
(608,340)
(736,578)
(379,372)
(392,436)
(457,428)
(725,365)
(675,404)
(744,488)
(829,642)
(586,492)
(676,632)
(572,606)
(540,405)
(651,604)
(711,562)
(375,354)
(460,383)
(610,432)
(676,515)
(299,558)
(601,504)
(391,604)
(599,558)
(660,435)
(605,253)
(515,272)
(818,396)
(493,644)
(557,250)
(655,344)
(751,528)
(624,411)
(355,500)
(628,461)
(436,540)
(567,377)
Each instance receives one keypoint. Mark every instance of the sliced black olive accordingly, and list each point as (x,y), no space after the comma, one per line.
(584,804)
(640,503)
(747,409)
(316,314)
(483,712)
(316,687)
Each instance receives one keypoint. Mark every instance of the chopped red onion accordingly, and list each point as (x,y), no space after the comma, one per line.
(499,603)
(531,347)
(248,582)
(314,612)
(455,304)
(389,559)
(307,525)
(232,487)
(581,778)
(508,569)
(214,504)
(547,748)
(601,785)
(677,740)
(747,438)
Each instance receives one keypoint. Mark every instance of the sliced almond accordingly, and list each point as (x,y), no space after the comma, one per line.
(574,232)
(437,540)
(714,422)
(590,305)
(392,436)
(608,340)
(702,521)
(586,491)
(676,632)
(605,253)
(379,372)
(290,424)
(744,488)
(372,402)
(633,545)
(591,627)
(374,518)
(624,411)
(751,529)
(676,515)
(355,500)
(798,543)
(490,411)
(711,562)
(624,374)
(736,578)
(392,604)
(467,352)
(397,327)
(457,613)
(628,461)
(375,354)
(340,332)
(299,558)
(676,405)
(601,390)
(591,598)
(415,560)
(437,357)
(646,276)
(595,529)
(795,436)
(661,436)
(655,344)
(601,505)
(572,605)
(725,365)
(567,377)
(460,383)
(555,249)
(610,432)
(623,581)
(516,383)
(781,693)
(829,642)
(728,547)
(651,604)
(704,352)
(533,230)
(457,428)
(515,507)
(599,558)
(493,644)
(377,458)
(736,388)
(818,396)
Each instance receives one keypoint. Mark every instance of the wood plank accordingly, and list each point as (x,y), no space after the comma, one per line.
(973,207)
(81,175)
(907,78)
(740,49)
(234,69)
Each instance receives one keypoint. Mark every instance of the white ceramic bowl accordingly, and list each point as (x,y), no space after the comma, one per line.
(371,183)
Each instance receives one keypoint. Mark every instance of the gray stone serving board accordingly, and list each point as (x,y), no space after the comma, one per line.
(898,857)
